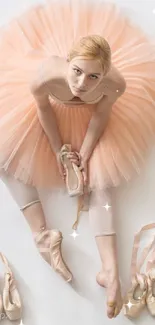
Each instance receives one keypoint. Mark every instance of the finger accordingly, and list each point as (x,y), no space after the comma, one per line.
(75,161)
(71,154)
(73,157)
(84,177)
(62,171)
(85,181)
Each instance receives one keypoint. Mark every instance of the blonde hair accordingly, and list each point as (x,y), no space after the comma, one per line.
(92,47)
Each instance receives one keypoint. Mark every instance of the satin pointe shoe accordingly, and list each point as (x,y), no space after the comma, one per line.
(2,313)
(10,305)
(74,177)
(150,272)
(53,239)
(135,300)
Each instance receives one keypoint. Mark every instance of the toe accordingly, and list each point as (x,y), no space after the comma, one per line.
(111,308)
(117,311)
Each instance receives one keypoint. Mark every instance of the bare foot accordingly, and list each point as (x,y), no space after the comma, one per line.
(113,288)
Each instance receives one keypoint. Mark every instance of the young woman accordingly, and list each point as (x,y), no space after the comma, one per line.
(97,96)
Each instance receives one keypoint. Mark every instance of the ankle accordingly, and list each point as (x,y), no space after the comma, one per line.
(38,229)
(111,272)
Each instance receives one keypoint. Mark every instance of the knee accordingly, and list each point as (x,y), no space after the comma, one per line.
(23,194)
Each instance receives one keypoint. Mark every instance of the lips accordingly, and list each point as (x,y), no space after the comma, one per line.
(78,89)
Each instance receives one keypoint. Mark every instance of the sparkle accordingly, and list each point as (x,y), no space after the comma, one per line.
(107,206)
(21,323)
(153,11)
(129,304)
(74,234)
(117,90)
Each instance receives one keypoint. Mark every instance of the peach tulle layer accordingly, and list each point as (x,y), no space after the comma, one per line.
(50,29)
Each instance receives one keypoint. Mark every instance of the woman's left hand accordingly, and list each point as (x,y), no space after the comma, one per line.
(82,164)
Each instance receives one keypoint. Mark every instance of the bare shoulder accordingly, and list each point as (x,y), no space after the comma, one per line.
(53,68)
(50,71)
(116,81)
(114,86)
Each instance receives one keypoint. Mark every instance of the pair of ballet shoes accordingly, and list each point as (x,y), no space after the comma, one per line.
(140,295)
(142,290)
(10,302)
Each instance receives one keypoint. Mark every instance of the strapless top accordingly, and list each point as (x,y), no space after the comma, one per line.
(72,102)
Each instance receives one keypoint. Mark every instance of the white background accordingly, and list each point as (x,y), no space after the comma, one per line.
(46,298)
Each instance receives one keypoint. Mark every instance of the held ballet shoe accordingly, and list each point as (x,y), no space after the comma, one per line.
(11,301)
(135,299)
(150,298)
(74,178)
(54,240)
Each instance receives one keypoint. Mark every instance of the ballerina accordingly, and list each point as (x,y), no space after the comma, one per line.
(96,95)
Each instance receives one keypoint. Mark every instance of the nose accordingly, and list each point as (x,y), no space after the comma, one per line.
(82,82)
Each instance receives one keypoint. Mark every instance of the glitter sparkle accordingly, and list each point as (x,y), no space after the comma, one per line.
(107,206)
(74,234)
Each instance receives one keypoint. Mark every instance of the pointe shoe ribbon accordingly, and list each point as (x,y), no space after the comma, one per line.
(80,205)
(135,299)
(74,178)
(11,299)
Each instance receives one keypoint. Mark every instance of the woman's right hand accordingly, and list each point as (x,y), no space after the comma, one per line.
(60,166)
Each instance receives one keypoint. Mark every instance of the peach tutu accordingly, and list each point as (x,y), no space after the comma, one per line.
(50,29)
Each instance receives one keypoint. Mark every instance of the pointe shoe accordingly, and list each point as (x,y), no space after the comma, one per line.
(54,251)
(150,298)
(10,304)
(2,313)
(74,178)
(135,299)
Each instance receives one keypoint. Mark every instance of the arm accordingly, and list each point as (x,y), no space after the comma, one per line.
(46,115)
(99,122)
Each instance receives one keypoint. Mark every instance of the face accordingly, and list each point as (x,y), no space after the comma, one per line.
(83,75)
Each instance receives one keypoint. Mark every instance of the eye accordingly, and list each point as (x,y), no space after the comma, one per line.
(93,76)
(77,71)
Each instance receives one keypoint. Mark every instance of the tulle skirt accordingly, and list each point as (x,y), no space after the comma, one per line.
(50,29)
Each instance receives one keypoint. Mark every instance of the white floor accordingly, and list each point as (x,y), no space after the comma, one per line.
(46,298)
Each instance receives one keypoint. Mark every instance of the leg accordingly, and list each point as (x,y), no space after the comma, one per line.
(28,201)
(102,223)
(47,241)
